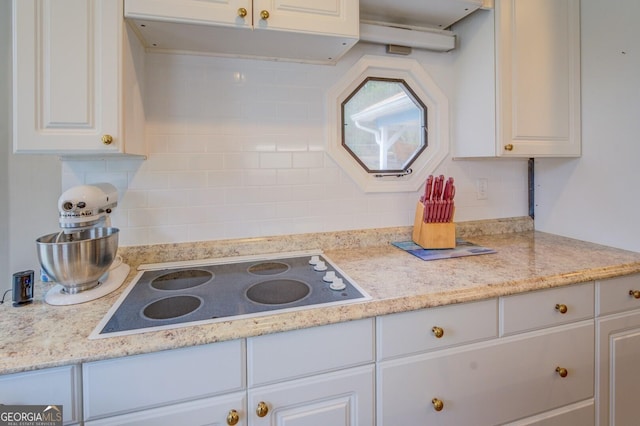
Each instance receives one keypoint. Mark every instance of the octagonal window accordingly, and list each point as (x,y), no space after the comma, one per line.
(384,125)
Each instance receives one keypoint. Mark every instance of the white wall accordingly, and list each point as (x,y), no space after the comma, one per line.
(596,197)
(237,149)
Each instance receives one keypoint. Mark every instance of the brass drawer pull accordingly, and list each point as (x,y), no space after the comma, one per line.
(635,294)
(438,332)
(262,409)
(562,372)
(562,308)
(438,405)
(233,418)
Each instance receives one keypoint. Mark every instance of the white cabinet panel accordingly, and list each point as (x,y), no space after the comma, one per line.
(618,294)
(343,398)
(491,382)
(298,353)
(546,308)
(209,412)
(138,382)
(408,333)
(618,383)
(51,386)
(523,58)
(579,414)
(72,64)
(318,31)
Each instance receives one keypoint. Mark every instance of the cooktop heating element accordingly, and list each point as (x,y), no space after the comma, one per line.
(178,294)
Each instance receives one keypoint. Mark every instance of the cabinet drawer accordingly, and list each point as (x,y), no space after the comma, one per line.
(582,414)
(51,386)
(613,295)
(299,353)
(543,308)
(208,411)
(139,382)
(413,332)
(489,383)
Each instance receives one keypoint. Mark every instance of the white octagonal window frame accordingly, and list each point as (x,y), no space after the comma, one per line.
(421,83)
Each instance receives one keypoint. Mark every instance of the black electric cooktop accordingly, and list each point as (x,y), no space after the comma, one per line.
(187,293)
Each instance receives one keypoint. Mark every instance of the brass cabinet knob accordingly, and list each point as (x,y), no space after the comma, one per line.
(438,405)
(438,332)
(107,139)
(562,372)
(242,12)
(233,418)
(561,308)
(262,409)
(635,294)
(508,147)
(264,14)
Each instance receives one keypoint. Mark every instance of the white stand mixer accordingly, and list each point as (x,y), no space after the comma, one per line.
(81,258)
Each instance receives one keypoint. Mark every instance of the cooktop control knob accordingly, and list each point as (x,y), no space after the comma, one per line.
(320,266)
(337,284)
(314,260)
(329,277)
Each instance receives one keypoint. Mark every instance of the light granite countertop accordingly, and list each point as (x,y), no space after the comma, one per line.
(39,336)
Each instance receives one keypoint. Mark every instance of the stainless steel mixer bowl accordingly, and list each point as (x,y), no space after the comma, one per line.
(78,260)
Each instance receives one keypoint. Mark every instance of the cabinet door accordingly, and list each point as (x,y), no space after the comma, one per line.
(161,378)
(51,386)
(335,17)
(343,398)
(489,383)
(208,12)
(538,77)
(209,412)
(66,75)
(618,384)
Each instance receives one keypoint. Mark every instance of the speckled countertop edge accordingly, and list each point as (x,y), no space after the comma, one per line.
(39,335)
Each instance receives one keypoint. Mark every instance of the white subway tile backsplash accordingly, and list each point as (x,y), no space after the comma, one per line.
(167,198)
(187,180)
(237,148)
(308,160)
(293,177)
(149,180)
(138,218)
(275,160)
(225,178)
(241,160)
(260,177)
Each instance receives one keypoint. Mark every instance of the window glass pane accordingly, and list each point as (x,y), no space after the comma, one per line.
(384,125)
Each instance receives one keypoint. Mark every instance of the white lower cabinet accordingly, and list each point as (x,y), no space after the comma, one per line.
(526,358)
(342,398)
(51,386)
(313,377)
(214,411)
(618,346)
(159,383)
(489,383)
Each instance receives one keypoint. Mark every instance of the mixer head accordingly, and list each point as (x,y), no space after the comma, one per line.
(86,206)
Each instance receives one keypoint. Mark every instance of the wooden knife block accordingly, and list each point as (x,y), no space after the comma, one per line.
(433,235)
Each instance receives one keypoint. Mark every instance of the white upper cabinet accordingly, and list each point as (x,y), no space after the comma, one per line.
(518,70)
(75,90)
(315,31)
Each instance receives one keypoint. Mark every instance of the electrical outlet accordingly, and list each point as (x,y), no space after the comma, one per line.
(482,188)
